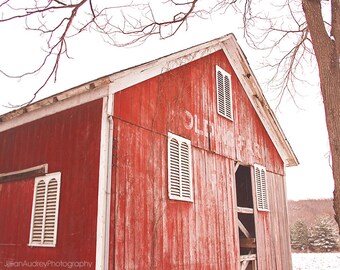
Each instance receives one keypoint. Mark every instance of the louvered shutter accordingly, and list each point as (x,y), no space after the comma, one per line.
(174,161)
(220,94)
(38,212)
(45,210)
(227,96)
(224,97)
(185,171)
(51,212)
(261,188)
(179,160)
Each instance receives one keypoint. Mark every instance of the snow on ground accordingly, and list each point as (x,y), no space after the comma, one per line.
(316,261)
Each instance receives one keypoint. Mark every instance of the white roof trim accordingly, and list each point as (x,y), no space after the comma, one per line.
(138,74)
(253,90)
(129,77)
(51,105)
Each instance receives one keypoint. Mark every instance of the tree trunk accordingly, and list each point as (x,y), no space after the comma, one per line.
(326,50)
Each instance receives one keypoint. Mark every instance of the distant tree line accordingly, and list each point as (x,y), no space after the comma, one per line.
(321,236)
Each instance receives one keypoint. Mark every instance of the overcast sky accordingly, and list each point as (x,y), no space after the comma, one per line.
(304,125)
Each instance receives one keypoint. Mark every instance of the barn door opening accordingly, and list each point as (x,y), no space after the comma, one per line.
(246,220)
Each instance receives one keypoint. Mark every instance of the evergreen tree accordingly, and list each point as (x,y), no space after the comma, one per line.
(299,236)
(324,235)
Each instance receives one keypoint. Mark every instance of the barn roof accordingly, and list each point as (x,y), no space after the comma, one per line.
(122,79)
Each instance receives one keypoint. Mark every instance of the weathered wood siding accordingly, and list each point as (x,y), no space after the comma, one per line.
(149,231)
(272,230)
(69,142)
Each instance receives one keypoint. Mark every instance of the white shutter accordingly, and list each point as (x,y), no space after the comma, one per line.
(220,94)
(174,168)
(45,210)
(51,212)
(179,168)
(227,96)
(224,94)
(261,188)
(38,212)
(185,171)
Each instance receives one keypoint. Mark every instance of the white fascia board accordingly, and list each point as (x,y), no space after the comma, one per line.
(259,102)
(138,74)
(117,81)
(51,106)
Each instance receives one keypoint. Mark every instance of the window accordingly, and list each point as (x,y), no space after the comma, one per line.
(261,188)
(179,168)
(223,91)
(45,206)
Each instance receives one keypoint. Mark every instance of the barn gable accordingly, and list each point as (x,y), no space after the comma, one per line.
(123,79)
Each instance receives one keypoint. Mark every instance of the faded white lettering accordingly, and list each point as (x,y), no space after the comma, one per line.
(202,128)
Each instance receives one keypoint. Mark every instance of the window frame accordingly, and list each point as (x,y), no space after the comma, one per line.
(261,190)
(188,168)
(46,179)
(226,103)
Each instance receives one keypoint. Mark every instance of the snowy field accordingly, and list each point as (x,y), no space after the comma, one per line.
(316,261)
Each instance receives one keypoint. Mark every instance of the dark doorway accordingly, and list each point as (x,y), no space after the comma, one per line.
(246,220)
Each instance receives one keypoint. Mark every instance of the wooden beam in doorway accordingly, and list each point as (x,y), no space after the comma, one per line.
(249,257)
(245,210)
(237,164)
(248,243)
(244,229)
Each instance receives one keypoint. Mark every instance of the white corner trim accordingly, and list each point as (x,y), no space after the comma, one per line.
(104,185)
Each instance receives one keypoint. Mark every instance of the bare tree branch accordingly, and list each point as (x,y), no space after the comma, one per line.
(58,21)
(129,23)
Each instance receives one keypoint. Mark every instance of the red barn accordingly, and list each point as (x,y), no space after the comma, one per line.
(178,163)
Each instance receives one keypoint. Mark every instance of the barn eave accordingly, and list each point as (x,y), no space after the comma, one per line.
(123,79)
